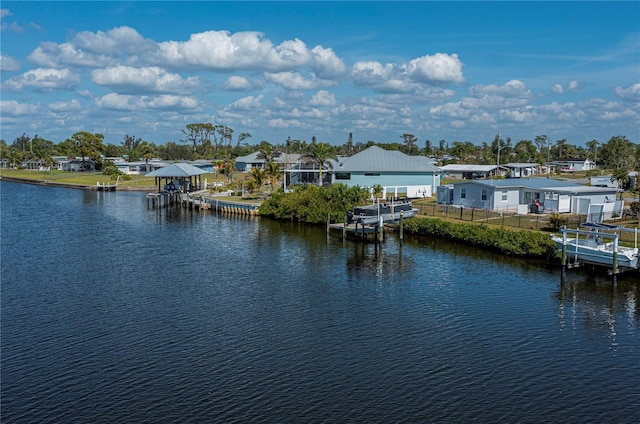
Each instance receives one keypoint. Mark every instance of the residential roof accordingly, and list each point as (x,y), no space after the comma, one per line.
(520,165)
(541,183)
(177,170)
(282,158)
(468,168)
(380,160)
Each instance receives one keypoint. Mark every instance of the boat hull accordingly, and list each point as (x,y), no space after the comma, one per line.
(388,212)
(598,253)
(386,217)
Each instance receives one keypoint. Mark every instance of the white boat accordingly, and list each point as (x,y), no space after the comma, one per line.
(388,211)
(590,247)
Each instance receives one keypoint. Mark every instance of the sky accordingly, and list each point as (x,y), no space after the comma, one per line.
(454,71)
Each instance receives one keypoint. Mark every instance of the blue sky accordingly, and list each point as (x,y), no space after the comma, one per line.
(458,71)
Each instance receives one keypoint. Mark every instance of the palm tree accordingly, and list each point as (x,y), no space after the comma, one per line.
(320,154)
(258,176)
(377,190)
(272,171)
(226,168)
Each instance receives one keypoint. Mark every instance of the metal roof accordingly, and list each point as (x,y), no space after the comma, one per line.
(542,183)
(376,159)
(177,170)
(520,165)
(468,168)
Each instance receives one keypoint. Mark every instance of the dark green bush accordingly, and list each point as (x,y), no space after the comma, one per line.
(312,204)
(519,243)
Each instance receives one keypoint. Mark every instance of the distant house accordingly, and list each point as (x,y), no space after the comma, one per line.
(256,160)
(603,181)
(399,174)
(145,167)
(469,172)
(76,165)
(573,165)
(517,195)
(521,170)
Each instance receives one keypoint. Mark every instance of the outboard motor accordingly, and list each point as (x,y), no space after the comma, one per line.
(349,217)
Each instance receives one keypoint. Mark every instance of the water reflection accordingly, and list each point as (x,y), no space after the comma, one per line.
(384,262)
(594,302)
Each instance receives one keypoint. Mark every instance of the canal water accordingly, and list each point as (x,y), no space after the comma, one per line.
(113,312)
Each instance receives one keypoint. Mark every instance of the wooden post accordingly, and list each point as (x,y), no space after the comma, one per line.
(380,229)
(401,226)
(328,222)
(563,260)
(344,228)
(615,255)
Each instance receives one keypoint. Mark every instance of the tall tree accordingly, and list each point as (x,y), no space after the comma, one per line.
(272,172)
(320,154)
(619,152)
(428,148)
(131,143)
(146,152)
(243,136)
(258,175)
(88,146)
(525,151)
(410,141)
(541,142)
(592,147)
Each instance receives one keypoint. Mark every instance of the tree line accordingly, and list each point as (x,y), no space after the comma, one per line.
(217,143)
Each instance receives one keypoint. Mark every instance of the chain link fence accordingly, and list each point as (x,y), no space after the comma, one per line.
(530,221)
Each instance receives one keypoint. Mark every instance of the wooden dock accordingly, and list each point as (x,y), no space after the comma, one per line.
(201,200)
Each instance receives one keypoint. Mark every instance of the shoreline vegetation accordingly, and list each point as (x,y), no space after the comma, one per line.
(312,205)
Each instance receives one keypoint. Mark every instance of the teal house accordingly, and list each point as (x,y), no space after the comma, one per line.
(399,174)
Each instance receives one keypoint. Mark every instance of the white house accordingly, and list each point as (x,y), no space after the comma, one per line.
(521,170)
(573,165)
(517,195)
(463,171)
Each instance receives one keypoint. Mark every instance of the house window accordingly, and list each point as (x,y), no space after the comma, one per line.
(343,176)
(463,193)
(484,194)
(371,174)
(504,196)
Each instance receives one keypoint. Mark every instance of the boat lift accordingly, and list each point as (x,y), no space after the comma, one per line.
(578,259)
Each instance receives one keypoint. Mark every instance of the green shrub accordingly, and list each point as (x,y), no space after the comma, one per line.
(519,243)
(312,204)
(556,220)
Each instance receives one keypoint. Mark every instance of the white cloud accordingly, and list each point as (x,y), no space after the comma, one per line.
(451,110)
(127,79)
(13,108)
(411,77)
(42,79)
(574,85)
(295,81)
(247,103)
(94,50)
(326,63)
(557,88)
(437,69)
(8,63)
(517,115)
(512,89)
(136,103)
(69,106)
(285,123)
(238,83)
(224,51)
(631,93)
(323,98)
(4,13)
